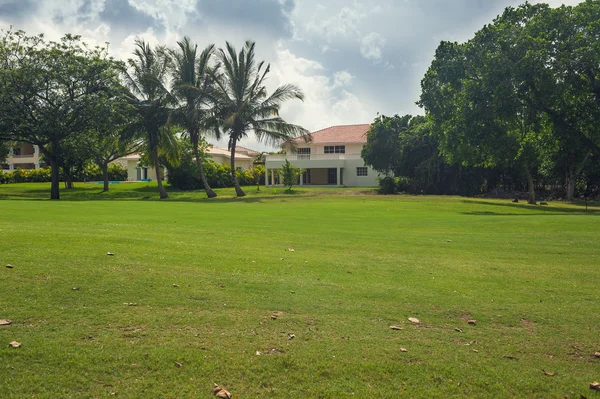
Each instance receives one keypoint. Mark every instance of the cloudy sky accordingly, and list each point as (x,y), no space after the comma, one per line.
(352,58)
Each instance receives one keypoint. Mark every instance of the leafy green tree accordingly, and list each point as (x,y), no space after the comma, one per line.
(257,173)
(4,150)
(242,104)
(192,84)
(290,174)
(53,92)
(148,94)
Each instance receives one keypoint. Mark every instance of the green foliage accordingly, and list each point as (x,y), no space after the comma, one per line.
(26,176)
(290,174)
(67,85)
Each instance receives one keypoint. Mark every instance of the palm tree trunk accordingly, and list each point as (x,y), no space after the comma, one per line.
(209,191)
(161,189)
(238,190)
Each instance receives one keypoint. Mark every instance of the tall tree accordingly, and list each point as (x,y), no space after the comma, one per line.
(146,77)
(192,83)
(242,103)
(51,92)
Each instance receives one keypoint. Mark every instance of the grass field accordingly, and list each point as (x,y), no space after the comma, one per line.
(201,291)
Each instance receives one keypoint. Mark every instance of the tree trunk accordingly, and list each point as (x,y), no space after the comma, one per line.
(161,189)
(571,178)
(104,168)
(55,189)
(531,196)
(238,190)
(209,191)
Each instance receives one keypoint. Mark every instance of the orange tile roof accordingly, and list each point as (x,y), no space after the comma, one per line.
(339,134)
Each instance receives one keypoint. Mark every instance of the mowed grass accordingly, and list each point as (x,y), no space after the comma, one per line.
(197,282)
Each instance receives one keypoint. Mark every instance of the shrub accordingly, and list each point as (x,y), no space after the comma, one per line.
(26,176)
(387,185)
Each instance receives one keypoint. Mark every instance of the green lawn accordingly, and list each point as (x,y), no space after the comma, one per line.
(197,282)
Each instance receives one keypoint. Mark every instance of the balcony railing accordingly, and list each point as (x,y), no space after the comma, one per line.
(312,157)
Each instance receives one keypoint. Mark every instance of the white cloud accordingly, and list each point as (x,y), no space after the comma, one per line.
(371,46)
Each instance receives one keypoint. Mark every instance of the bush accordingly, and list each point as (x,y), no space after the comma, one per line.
(387,185)
(39,175)
(186,176)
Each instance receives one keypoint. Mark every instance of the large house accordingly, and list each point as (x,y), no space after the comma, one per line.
(331,158)
(23,156)
(244,158)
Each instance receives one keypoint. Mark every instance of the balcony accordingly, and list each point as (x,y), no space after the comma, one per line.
(311,157)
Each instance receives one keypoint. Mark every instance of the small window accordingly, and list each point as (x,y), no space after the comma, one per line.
(304,151)
(362,171)
(335,149)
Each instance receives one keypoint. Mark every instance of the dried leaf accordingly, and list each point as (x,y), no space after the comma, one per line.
(595,386)
(5,322)
(548,373)
(291,336)
(220,392)
(597,354)
(273,317)
(396,328)
(9,266)
(472,322)
(414,320)
(222,286)
(130,304)
(179,364)
(280,258)
(75,288)
(110,254)
(258,353)
(475,350)
(403,350)
(291,250)
(458,330)
(293,292)
(175,285)
(14,344)
(448,240)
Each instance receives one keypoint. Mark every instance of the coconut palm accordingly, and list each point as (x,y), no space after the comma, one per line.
(191,85)
(145,78)
(242,104)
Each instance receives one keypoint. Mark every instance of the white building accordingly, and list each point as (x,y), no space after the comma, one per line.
(331,158)
(24,156)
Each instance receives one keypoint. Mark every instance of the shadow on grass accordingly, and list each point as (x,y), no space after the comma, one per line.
(578,209)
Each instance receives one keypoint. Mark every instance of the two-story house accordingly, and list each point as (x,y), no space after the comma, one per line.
(331,158)
(22,156)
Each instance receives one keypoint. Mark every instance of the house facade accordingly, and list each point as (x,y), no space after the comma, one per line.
(23,156)
(244,158)
(331,158)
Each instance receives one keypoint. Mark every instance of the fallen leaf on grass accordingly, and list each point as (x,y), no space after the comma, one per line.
(273,317)
(414,320)
(448,240)
(291,250)
(14,344)
(458,330)
(548,373)
(595,386)
(280,258)
(110,254)
(396,328)
(292,292)
(130,304)
(175,285)
(472,322)
(475,350)
(75,288)
(510,357)
(403,350)
(5,322)
(179,364)
(597,354)
(9,266)
(220,392)
(291,336)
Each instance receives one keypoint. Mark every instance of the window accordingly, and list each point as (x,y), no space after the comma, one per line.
(306,177)
(332,176)
(362,171)
(335,149)
(304,153)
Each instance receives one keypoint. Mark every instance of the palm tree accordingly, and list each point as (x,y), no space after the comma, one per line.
(242,104)
(191,85)
(145,79)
